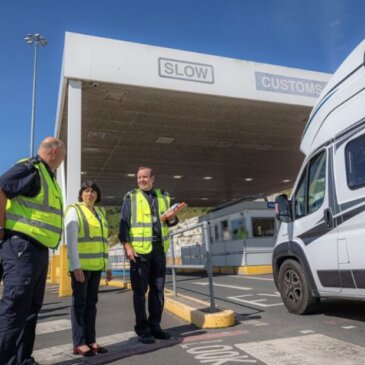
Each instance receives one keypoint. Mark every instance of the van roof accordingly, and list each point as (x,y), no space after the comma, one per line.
(316,132)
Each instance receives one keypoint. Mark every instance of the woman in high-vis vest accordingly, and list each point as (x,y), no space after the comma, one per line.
(86,237)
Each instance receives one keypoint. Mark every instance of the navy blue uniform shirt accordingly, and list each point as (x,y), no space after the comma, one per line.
(23,179)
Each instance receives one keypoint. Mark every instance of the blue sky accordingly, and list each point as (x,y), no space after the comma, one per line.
(310,34)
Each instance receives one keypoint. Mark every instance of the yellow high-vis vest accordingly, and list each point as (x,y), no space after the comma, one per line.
(141,231)
(92,244)
(40,217)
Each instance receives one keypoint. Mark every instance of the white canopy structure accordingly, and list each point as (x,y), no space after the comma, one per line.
(212,128)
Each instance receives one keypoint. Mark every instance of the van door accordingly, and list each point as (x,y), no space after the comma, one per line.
(313,224)
(349,170)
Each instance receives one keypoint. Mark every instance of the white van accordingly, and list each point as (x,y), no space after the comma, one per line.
(320,246)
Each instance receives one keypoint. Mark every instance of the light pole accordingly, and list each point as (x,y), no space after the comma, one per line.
(37,39)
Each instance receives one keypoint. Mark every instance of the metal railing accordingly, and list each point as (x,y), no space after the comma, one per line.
(208,267)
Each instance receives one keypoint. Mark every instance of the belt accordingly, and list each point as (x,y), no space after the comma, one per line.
(11,234)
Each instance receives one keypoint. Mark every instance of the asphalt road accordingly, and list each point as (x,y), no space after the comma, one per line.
(265,333)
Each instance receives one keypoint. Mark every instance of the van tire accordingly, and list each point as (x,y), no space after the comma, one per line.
(294,288)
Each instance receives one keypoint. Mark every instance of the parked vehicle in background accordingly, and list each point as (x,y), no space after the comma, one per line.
(320,248)
(241,236)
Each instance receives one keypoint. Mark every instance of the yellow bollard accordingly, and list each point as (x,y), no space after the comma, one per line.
(55,263)
(65,281)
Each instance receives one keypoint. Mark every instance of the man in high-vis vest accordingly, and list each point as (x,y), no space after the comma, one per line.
(31,220)
(146,240)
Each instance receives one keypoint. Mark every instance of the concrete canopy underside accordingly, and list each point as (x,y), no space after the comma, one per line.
(227,139)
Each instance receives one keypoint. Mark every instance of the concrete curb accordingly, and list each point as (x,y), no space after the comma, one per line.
(190,309)
(198,315)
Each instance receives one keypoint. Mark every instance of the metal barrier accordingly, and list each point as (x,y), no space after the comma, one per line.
(119,262)
(233,253)
(208,266)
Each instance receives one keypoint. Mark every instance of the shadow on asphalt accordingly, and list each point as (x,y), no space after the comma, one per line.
(53,315)
(350,309)
(54,309)
(132,347)
(105,290)
(50,303)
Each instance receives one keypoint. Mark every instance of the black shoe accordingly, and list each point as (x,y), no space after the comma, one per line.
(161,335)
(97,349)
(146,339)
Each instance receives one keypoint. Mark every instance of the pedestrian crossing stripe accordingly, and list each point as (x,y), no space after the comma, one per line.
(311,349)
(53,326)
(57,354)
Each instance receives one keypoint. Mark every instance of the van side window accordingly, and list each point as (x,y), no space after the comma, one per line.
(309,195)
(317,182)
(299,197)
(355,163)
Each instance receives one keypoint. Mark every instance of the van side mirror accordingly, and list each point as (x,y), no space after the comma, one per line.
(283,210)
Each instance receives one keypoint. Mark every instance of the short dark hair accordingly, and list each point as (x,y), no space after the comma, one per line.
(145,168)
(89,184)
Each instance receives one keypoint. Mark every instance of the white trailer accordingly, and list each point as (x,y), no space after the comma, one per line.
(320,247)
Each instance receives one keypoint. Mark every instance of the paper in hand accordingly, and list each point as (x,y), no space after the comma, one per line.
(172,211)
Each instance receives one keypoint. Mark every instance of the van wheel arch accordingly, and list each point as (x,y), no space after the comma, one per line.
(292,250)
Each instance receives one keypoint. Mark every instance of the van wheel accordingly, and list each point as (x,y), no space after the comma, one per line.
(294,288)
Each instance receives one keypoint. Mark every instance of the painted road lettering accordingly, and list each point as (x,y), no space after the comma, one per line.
(217,354)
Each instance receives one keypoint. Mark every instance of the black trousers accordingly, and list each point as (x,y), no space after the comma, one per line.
(1,271)
(83,312)
(148,272)
(25,272)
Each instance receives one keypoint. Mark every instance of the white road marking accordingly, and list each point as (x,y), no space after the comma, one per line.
(276,295)
(305,350)
(217,354)
(53,326)
(305,332)
(199,343)
(249,277)
(63,353)
(254,322)
(226,286)
(348,327)
(257,302)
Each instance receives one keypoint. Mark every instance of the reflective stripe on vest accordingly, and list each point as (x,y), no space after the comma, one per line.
(141,229)
(39,217)
(92,238)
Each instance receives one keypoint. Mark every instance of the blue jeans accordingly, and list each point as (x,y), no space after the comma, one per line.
(83,312)
(25,267)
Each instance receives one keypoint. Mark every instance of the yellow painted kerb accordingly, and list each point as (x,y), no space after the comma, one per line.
(255,270)
(221,319)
